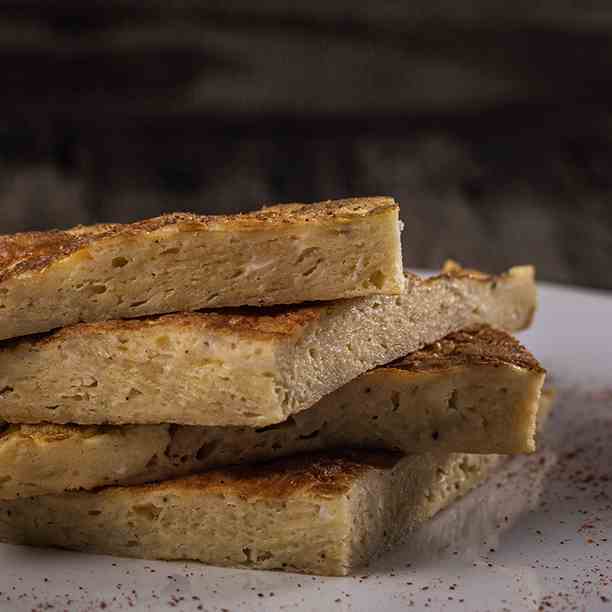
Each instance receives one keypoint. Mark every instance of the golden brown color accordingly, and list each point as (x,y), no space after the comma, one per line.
(475,391)
(252,368)
(479,346)
(285,254)
(325,514)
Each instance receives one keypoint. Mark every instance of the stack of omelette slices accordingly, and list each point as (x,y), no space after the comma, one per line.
(267,390)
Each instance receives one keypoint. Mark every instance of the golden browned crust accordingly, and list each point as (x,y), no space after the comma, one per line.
(478,346)
(295,212)
(452,269)
(318,475)
(456,270)
(50,432)
(254,323)
(34,251)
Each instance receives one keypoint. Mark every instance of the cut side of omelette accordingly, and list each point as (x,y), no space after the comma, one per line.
(475,391)
(321,514)
(325,514)
(283,254)
(252,368)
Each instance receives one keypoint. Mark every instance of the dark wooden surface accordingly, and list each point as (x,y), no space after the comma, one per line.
(489,121)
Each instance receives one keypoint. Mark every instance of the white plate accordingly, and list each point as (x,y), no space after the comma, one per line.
(538,536)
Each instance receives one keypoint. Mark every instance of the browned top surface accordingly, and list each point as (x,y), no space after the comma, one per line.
(49,432)
(255,323)
(264,324)
(452,268)
(34,251)
(319,475)
(472,347)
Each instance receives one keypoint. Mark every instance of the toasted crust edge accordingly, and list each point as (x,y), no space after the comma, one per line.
(476,346)
(32,252)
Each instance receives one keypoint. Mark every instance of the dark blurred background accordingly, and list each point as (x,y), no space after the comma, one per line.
(490,121)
